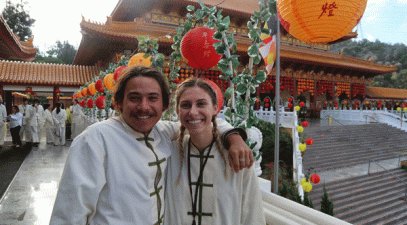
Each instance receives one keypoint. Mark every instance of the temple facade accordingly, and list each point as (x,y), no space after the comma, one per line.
(308,71)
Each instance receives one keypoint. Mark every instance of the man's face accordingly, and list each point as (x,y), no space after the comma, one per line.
(25,102)
(142,105)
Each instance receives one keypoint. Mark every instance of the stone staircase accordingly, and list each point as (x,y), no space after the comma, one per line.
(378,198)
(338,147)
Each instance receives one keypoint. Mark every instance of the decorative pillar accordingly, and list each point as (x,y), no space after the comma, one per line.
(334,92)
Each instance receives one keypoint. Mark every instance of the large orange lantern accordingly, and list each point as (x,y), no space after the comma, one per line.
(197,49)
(320,21)
(80,94)
(139,60)
(92,89)
(85,92)
(108,81)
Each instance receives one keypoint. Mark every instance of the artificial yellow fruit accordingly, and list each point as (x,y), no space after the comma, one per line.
(302,147)
(307,186)
(300,129)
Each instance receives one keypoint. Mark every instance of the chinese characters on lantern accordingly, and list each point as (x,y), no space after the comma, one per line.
(328,8)
(206,46)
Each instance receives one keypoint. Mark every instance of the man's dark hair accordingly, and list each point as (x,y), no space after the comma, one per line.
(25,99)
(36,101)
(140,71)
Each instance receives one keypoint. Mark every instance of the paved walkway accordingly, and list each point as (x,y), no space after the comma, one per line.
(31,195)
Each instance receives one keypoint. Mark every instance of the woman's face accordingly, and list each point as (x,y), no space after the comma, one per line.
(13,110)
(195,110)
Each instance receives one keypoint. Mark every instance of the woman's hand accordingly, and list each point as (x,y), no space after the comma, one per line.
(240,155)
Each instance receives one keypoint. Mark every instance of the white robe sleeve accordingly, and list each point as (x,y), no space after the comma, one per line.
(252,202)
(82,180)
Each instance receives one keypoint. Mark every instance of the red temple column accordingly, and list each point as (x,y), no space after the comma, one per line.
(55,97)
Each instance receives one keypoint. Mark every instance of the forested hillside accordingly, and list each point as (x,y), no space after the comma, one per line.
(382,53)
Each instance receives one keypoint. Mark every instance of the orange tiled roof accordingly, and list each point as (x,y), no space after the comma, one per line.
(11,47)
(45,74)
(385,93)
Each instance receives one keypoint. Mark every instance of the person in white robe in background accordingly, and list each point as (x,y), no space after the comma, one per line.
(200,189)
(48,125)
(25,131)
(40,119)
(77,119)
(59,117)
(116,168)
(3,115)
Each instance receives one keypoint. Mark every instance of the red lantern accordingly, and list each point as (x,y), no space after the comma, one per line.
(89,103)
(290,100)
(309,141)
(28,90)
(100,86)
(88,91)
(219,94)
(266,100)
(267,105)
(57,91)
(118,72)
(305,124)
(197,49)
(302,104)
(100,102)
(315,178)
(82,103)
(290,105)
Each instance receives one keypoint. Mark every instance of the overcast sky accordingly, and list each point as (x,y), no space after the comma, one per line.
(384,20)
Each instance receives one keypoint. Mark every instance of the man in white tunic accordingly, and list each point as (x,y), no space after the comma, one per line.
(27,111)
(40,119)
(115,171)
(3,115)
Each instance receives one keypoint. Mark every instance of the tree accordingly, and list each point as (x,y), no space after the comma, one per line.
(18,19)
(327,206)
(63,51)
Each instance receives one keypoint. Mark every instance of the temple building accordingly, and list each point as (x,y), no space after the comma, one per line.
(43,79)
(307,70)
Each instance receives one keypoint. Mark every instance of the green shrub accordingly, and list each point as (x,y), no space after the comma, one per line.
(267,148)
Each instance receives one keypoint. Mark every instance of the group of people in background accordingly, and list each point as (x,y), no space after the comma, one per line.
(29,122)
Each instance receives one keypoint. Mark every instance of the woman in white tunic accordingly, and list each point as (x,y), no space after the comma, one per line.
(200,190)
(59,116)
(48,124)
